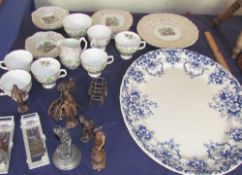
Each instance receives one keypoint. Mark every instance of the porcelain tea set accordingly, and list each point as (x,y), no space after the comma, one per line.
(47,70)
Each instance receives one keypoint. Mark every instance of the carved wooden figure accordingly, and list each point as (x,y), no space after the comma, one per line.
(238,47)
(227,13)
(18,95)
(98,152)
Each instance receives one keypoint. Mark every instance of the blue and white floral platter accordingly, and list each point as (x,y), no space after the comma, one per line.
(184,111)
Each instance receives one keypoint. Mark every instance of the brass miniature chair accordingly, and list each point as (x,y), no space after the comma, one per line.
(97,90)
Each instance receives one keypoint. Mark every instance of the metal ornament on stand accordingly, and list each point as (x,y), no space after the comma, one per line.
(34,141)
(66,156)
(6,142)
(98,90)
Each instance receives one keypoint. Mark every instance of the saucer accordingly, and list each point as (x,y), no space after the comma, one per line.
(117,20)
(43,44)
(49,18)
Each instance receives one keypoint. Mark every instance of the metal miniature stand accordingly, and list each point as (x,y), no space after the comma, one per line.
(34,141)
(6,142)
(97,90)
(66,156)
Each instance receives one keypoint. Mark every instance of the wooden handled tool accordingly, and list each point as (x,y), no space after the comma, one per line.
(227,13)
(216,51)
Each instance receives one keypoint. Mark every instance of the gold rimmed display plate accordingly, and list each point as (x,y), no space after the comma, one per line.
(43,44)
(49,18)
(166,30)
(118,20)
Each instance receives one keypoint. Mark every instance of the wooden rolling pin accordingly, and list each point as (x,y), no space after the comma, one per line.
(216,51)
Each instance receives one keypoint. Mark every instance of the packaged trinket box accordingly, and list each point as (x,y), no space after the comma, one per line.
(6,142)
(34,141)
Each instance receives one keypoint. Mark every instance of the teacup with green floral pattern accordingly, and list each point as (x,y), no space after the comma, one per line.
(47,70)
(128,43)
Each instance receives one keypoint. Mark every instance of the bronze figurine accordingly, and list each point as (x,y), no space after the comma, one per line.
(98,152)
(65,105)
(18,95)
(88,129)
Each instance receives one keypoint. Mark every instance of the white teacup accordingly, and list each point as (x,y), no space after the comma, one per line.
(76,24)
(70,51)
(17,59)
(99,35)
(95,60)
(128,43)
(47,70)
(18,77)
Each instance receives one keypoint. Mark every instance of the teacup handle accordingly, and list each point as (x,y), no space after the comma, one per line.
(142,45)
(63,73)
(110,59)
(58,44)
(93,43)
(82,39)
(3,65)
(2,93)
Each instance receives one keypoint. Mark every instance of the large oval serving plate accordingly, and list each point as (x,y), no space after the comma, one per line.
(184,111)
